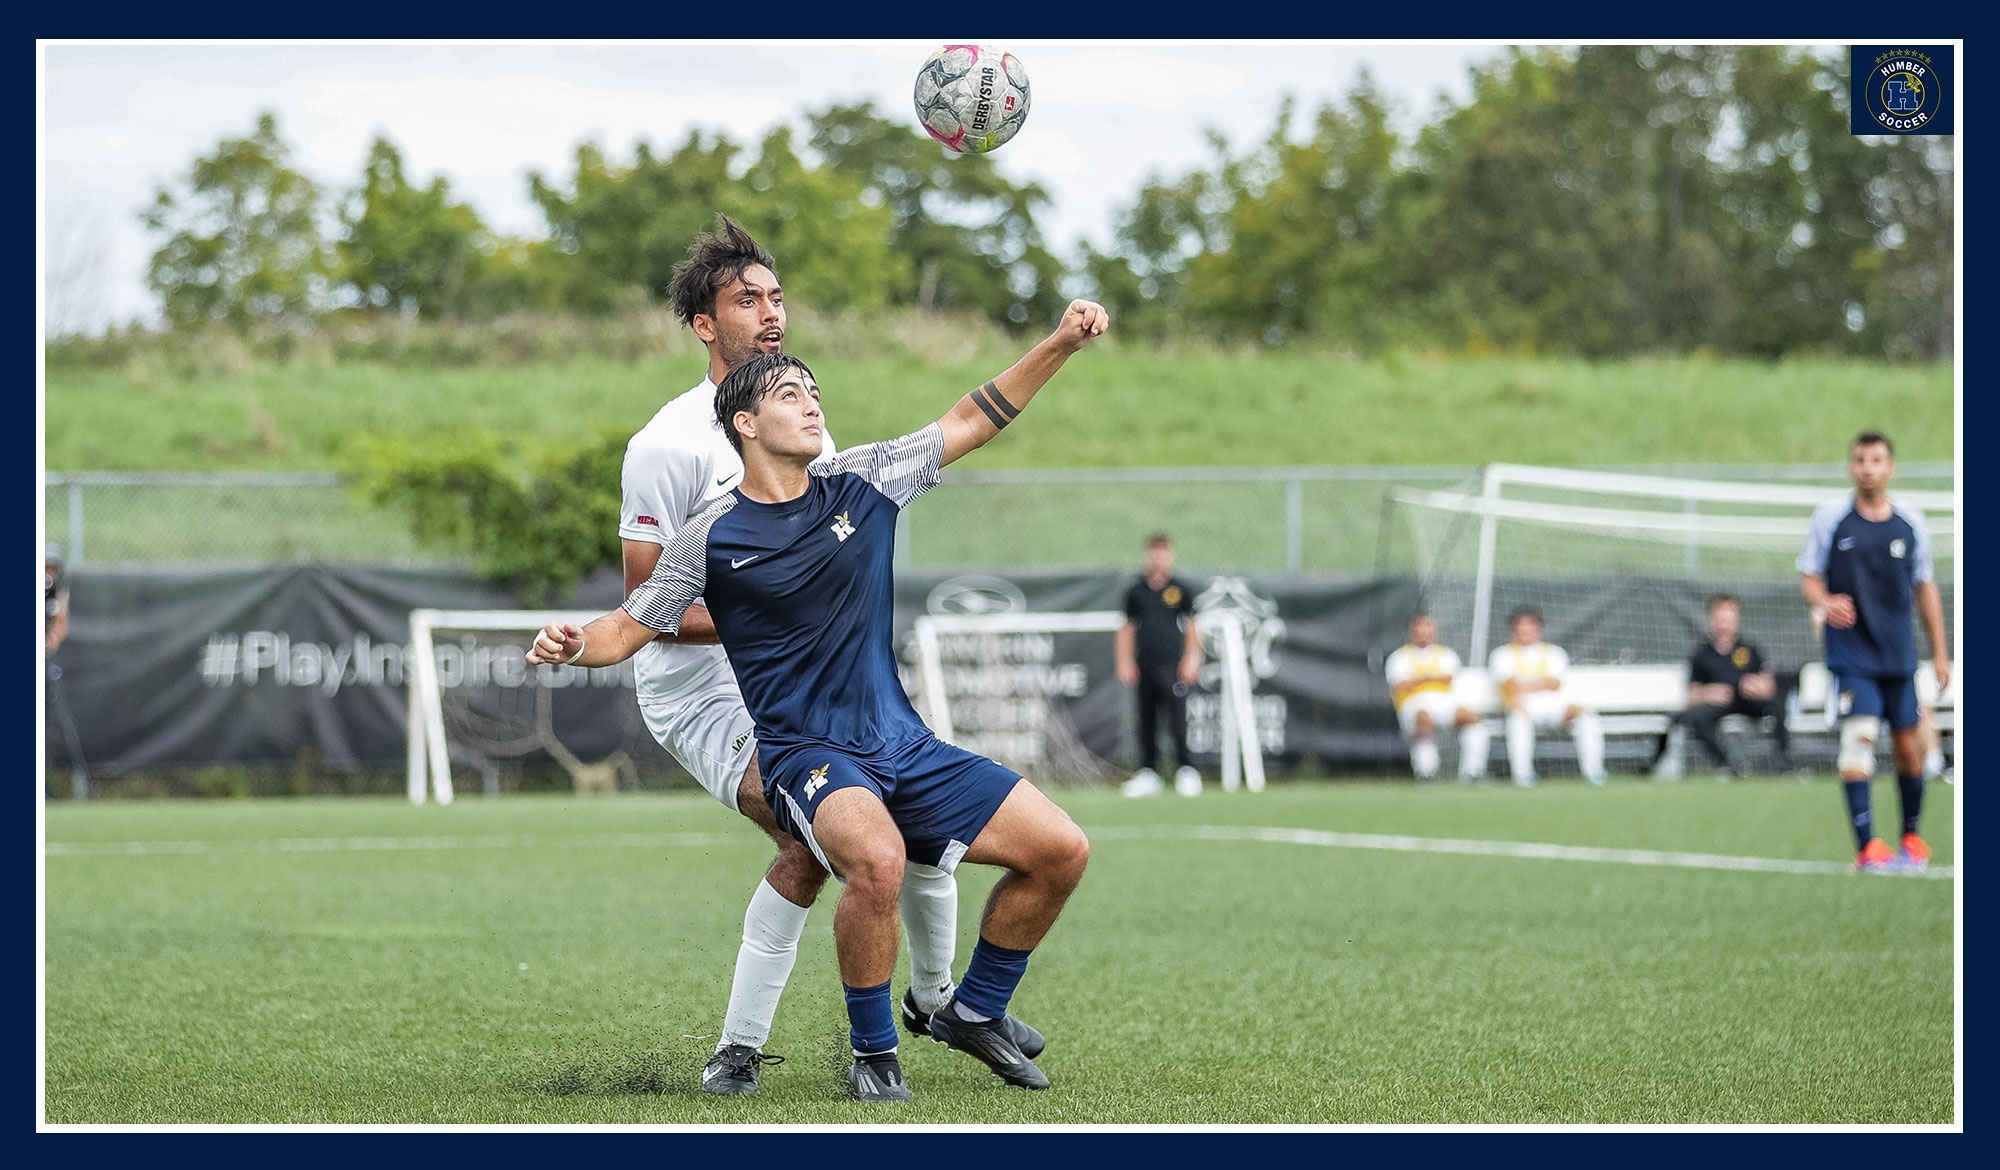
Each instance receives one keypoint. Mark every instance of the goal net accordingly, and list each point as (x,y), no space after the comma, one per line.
(1018,687)
(479,712)
(1621,565)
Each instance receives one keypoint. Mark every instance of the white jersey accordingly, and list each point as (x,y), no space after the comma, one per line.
(1433,663)
(1528,663)
(676,465)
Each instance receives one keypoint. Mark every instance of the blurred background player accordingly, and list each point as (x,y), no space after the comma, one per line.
(1866,567)
(55,630)
(1727,676)
(1159,652)
(1529,674)
(1420,680)
(55,601)
(727,292)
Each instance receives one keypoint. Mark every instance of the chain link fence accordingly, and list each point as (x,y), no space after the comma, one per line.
(1318,520)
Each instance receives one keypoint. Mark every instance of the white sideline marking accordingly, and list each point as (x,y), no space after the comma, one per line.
(1533,850)
(1529,849)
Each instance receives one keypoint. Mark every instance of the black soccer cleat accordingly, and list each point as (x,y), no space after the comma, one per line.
(989,1042)
(733,1069)
(878,1078)
(1029,1041)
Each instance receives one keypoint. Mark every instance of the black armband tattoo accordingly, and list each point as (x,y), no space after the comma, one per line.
(998,410)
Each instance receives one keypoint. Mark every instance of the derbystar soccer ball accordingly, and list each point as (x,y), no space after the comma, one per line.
(972,98)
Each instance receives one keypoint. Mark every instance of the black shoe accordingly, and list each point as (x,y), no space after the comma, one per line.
(733,1069)
(1029,1041)
(987,1041)
(878,1077)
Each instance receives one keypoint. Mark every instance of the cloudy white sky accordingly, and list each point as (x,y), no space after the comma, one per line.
(117,120)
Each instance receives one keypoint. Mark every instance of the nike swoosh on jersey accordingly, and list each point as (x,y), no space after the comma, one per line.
(736,564)
(725,479)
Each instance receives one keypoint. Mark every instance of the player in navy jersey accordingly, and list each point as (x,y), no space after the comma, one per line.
(794,565)
(1867,570)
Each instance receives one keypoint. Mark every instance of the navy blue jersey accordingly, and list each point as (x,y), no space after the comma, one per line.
(802,596)
(1879,563)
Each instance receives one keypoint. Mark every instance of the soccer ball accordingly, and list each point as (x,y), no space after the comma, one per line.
(972,97)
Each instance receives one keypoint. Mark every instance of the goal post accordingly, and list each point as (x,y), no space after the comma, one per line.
(429,751)
(1242,757)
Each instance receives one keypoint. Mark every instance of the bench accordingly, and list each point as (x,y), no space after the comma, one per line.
(1636,703)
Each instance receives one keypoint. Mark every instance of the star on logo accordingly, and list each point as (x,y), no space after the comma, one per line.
(842,528)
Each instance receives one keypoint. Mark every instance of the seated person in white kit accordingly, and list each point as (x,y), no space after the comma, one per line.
(1529,674)
(1420,681)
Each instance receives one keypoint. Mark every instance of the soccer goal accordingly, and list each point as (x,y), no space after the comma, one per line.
(475,703)
(997,684)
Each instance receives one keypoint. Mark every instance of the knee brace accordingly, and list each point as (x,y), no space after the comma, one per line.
(1857,743)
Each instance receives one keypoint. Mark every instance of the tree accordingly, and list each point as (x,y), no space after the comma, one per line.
(243,236)
(968,232)
(410,249)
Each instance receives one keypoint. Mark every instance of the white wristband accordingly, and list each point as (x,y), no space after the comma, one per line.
(581,644)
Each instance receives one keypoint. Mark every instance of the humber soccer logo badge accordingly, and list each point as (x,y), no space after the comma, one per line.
(1901,90)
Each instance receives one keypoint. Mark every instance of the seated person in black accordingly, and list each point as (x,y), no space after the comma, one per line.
(1727,676)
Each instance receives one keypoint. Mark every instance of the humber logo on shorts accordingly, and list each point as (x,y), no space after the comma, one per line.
(817,782)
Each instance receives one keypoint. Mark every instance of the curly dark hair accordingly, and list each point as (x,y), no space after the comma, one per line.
(713,260)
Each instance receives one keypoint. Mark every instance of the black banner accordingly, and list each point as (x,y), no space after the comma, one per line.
(306,665)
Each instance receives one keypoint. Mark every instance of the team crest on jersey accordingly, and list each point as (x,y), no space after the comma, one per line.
(842,528)
(1741,657)
(1171,595)
(1896,548)
(817,782)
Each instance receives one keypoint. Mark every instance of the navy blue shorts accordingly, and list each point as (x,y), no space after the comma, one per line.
(940,796)
(1890,697)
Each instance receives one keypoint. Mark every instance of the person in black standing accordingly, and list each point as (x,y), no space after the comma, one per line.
(1728,676)
(1159,651)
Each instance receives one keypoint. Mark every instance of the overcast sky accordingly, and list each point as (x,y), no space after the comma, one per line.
(118,120)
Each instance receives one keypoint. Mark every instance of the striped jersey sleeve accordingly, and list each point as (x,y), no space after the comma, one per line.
(1819,536)
(1920,556)
(678,579)
(901,469)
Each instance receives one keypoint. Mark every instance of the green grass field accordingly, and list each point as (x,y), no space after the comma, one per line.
(1112,408)
(566,960)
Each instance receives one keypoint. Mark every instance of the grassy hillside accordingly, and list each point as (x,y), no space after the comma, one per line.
(1112,407)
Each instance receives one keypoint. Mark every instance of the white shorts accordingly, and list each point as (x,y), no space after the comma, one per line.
(1545,708)
(1442,705)
(711,734)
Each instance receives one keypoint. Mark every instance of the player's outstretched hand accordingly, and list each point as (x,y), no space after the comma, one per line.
(1081,322)
(556,643)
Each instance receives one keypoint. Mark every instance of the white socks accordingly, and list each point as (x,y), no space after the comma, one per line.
(1424,756)
(1520,746)
(1589,735)
(1933,763)
(930,921)
(771,929)
(1473,740)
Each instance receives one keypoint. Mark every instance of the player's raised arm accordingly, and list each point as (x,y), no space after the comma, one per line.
(986,411)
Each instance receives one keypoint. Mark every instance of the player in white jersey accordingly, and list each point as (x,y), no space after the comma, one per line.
(1529,673)
(727,291)
(1420,682)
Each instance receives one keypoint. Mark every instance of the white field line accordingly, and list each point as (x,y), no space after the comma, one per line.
(1532,850)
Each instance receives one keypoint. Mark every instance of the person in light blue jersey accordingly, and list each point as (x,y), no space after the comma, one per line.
(794,565)
(1867,572)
